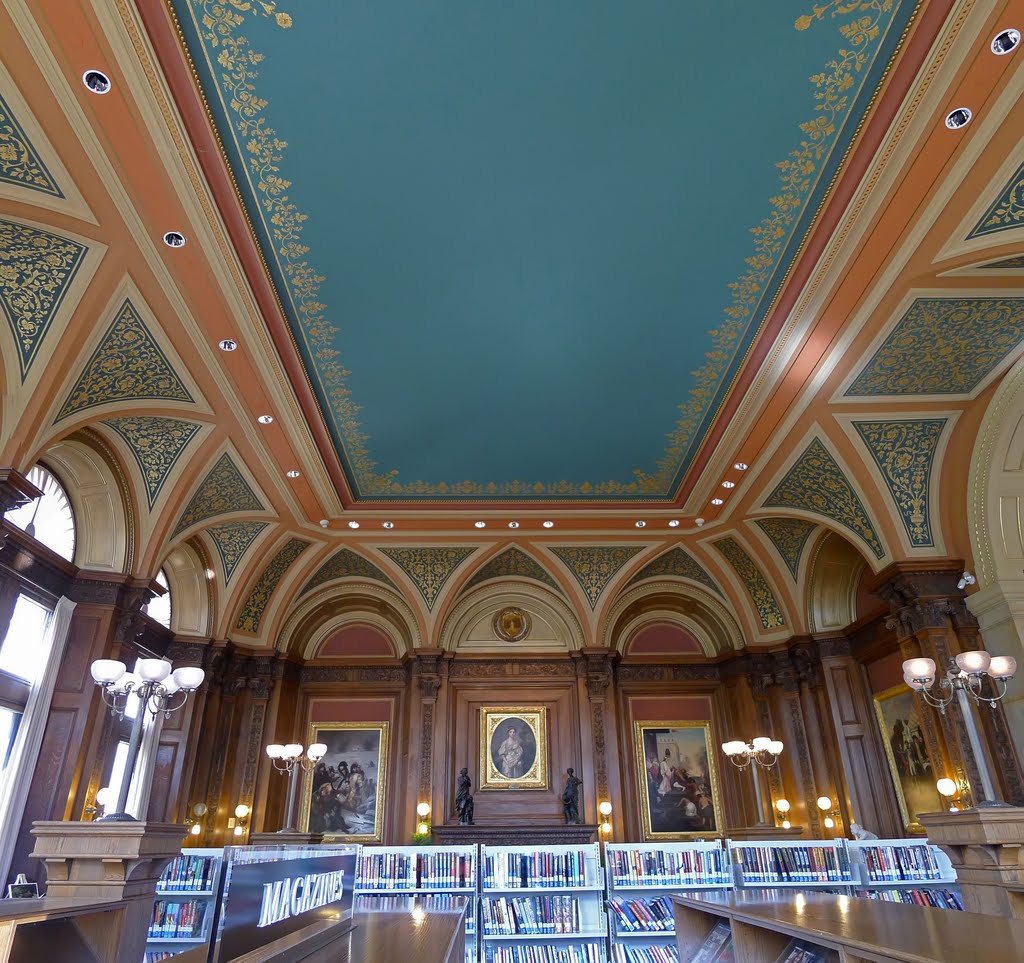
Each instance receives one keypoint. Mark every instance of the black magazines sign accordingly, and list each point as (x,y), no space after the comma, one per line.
(264,901)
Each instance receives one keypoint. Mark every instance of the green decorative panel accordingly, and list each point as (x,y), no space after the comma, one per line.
(904,452)
(677,562)
(1007,211)
(345,563)
(20,163)
(36,270)
(1007,263)
(768,609)
(223,490)
(595,566)
(817,484)
(429,568)
(789,536)
(512,563)
(259,597)
(156,443)
(233,540)
(128,365)
(942,346)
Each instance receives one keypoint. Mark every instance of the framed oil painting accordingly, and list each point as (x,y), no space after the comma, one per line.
(343,797)
(907,752)
(513,747)
(679,790)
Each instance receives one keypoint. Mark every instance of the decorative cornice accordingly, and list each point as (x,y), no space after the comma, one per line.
(364,674)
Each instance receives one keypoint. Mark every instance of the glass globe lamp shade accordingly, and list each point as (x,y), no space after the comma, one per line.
(923,669)
(1002,667)
(317,751)
(734,748)
(199,809)
(786,824)
(946,787)
(241,811)
(423,829)
(196,829)
(824,803)
(775,748)
(974,663)
(153,670)
(761,743)
(606,827)
(830,823)
(422,810)
(104,796)
(189,677)
(293,750)
(239,831)
(170,685)
(107,671)
(605,809)
(275,751)
(782,805)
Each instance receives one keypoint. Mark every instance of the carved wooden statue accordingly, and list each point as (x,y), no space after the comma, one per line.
(464,799)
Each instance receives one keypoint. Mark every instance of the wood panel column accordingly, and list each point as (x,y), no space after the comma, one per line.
(430,672)
(596,668)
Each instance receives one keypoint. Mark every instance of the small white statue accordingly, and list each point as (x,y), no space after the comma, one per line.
(859,832)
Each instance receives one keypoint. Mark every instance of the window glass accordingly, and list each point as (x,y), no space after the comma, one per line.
(22,653)
(48,519)
(159,607)
(117,771)
(9,721)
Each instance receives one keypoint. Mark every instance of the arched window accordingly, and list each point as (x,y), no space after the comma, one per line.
(48,519)
(158,608)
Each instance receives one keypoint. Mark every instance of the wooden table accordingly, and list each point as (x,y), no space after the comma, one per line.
(763,923)
(56,928)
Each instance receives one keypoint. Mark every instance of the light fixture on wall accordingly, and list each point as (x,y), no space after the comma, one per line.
(241,815)
(158,686)
(763,751)
(605,809)
(103,798)
(782,807)
(422,811)
(289,759)
(947,787)
(829,811)
(194,820)
(965,580)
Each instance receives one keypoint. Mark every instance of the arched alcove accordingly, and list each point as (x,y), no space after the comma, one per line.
(834,574)
(189,583)
(356,640)
(662,640)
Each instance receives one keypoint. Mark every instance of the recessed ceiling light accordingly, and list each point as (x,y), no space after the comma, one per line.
(699,521)
(728,484)
(640,524)
(174,239)
(480,524)
(958,118)
(1005,41)
(513,524)
(294,473)
(99,83)
(673,523)
(741,466)
(388,525)
(717,501)
(548,524)
(353,524)
(324,523)
(227,345)
(266,419)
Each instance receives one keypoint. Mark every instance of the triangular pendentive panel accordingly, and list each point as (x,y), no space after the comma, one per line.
(429,568)
(345,563)
(594,566)
(222,491)
(768,609)
(789,536)
(232,540)
(676,562)
(256,604)
(512,563)
(157,444)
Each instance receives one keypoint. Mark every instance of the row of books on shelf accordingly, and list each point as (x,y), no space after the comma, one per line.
(153,956)
(643,915)
(177,920)
(528,870)
(717,946)
(693,867)
(433,902)
(189,873)
(426,870)
(538,915)
(626,953)
(800,952)
(590,952)
(887,864)
(793,864)
(937,898)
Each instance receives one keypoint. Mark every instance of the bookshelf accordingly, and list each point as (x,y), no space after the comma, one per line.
(813,864)
(435,874)
(640,878)
(183,910)
(542,905)
(911,871)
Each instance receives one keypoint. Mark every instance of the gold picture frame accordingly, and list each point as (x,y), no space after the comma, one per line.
(913,775)
(355,806)
(683,800)
(513,747)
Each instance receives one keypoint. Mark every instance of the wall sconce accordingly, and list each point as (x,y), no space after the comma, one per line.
(605,809)
(104,797)
(782,807)
(423,810)
(193,821)
(241,812)
(829,811)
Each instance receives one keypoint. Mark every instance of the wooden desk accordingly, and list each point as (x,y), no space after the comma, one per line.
(858,930)
(66,929)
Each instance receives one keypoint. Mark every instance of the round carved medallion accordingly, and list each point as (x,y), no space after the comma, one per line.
(511,625)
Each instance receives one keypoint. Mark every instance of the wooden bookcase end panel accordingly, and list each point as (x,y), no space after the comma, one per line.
(752,944)
(692,929)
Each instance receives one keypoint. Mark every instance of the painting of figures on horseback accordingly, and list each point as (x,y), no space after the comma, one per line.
(343,795)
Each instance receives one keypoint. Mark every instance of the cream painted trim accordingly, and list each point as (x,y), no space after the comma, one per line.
(952,415)
(380,594)
(72,203)
(894,154)
(810,594)
(761,510)
(944,294)
(191,596)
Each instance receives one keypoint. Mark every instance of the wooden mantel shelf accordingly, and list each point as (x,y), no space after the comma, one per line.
(861,930)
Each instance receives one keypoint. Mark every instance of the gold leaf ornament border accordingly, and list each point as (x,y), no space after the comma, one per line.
(218,23)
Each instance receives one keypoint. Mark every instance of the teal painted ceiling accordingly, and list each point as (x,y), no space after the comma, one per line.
(524,246)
